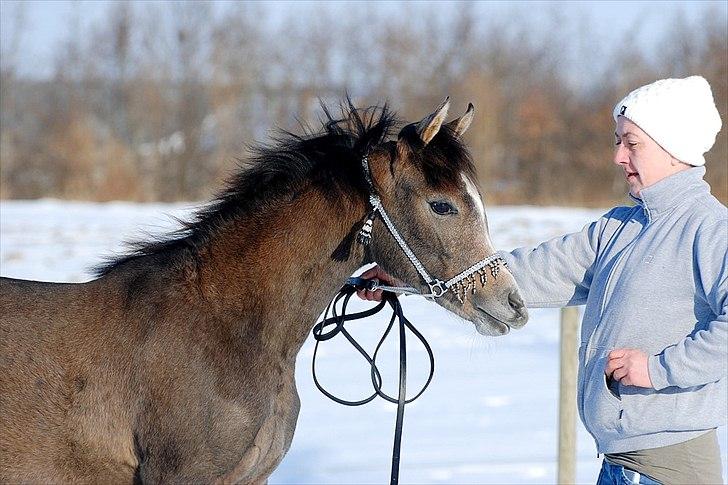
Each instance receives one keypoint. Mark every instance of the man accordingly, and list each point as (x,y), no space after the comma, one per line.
(654,279)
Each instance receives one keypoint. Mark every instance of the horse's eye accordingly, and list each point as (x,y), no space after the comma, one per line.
(442,208)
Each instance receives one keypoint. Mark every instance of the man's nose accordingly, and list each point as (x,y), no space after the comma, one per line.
(620,155)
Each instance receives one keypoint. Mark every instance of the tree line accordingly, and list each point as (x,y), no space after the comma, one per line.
(156,101)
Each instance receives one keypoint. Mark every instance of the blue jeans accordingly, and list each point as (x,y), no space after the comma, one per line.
(619,475)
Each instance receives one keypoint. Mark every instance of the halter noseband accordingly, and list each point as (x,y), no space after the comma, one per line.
(460,285)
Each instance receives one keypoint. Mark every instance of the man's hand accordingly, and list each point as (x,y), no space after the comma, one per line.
(629,366)
(378,273)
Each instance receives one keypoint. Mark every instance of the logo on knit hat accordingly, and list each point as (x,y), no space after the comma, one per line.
(623,110)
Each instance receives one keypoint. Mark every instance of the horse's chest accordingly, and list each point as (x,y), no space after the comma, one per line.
(270,439)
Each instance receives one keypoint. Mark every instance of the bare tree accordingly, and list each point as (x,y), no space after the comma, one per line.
(157,99)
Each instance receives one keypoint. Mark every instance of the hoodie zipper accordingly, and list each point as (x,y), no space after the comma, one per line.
(603,304)
(623,254)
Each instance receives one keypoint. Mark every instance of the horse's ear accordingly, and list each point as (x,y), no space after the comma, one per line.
(461,125)
(428,127)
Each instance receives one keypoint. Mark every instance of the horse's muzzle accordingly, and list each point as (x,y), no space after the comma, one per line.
(498,315)
(519,309)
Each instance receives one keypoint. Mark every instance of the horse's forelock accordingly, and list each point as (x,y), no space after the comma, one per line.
(443,160)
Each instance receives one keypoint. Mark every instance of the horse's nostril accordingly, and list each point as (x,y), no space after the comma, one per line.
(515,301)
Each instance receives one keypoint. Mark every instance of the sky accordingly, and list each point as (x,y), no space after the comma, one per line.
(47,21)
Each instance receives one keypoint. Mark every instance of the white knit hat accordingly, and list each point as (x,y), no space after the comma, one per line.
(679,114)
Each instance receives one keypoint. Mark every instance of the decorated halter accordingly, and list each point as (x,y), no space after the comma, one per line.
(461,284)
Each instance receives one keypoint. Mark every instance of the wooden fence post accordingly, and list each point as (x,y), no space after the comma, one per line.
(567,395)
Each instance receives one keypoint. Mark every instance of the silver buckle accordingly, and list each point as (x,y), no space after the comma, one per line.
(437,289)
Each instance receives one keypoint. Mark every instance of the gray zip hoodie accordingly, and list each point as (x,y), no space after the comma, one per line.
(653,277)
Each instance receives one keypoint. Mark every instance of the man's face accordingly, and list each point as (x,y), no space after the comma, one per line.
(644,161)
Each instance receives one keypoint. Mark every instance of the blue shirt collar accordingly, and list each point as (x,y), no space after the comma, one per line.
(672,191)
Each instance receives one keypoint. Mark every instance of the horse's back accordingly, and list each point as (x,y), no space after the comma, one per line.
(19,298)
(31,311)
(49,347)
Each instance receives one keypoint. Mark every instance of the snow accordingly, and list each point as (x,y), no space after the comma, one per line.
(489,416)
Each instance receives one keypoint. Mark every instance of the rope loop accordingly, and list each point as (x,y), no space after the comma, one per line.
(338,321)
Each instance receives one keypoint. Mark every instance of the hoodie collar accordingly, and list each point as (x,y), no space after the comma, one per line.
(672,191)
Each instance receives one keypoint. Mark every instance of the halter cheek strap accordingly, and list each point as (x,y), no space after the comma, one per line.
(461,284)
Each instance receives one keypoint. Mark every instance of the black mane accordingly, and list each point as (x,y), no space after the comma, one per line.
(330,157)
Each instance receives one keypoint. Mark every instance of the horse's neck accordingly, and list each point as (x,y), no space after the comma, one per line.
(276,272)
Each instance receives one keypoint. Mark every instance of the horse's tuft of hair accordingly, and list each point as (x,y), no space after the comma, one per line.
(443,159)
(329,158)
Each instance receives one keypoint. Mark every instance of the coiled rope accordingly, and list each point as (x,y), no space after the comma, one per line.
(339,320)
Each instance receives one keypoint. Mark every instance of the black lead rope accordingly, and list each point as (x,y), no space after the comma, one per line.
(345,294)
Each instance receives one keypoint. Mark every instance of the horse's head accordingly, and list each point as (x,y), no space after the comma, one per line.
(427,185)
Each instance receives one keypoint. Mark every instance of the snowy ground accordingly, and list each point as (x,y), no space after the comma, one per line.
(490,415)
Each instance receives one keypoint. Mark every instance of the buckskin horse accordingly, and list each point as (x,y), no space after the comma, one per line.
(176,364)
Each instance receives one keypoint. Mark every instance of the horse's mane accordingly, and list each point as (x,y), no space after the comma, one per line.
(329,158)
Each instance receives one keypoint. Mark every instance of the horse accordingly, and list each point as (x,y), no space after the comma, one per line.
(176,363)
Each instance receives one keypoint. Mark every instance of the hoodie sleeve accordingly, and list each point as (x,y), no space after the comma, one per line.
(558,272)
(702,357)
